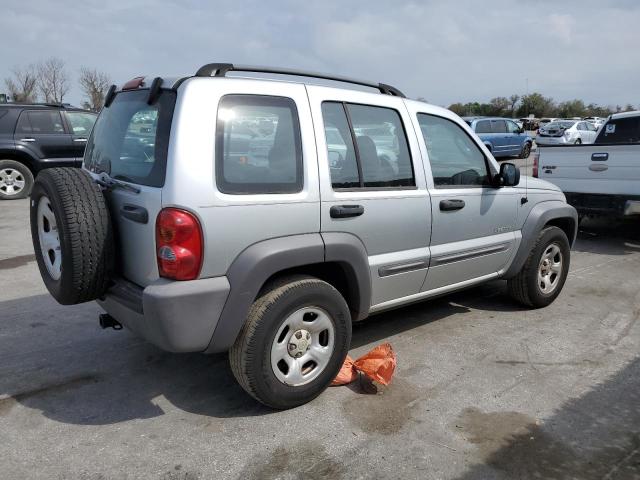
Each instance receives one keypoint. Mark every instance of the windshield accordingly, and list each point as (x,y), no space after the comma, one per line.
(130,138)
(565,125)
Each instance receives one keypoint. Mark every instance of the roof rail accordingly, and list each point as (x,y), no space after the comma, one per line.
(221,69)
(41,104)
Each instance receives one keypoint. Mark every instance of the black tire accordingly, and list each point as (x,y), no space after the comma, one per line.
(578,142)
(524,287)
(526,150)
(250,356)
(84,232)
(23,174)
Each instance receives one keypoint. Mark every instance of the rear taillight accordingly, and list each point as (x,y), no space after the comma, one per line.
(536,157)
(178,244)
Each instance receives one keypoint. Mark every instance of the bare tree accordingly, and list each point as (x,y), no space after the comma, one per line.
(513,100)
(94,84)
(53,80)
(22,87)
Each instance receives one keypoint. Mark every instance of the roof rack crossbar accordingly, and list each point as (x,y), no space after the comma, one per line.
(221,69)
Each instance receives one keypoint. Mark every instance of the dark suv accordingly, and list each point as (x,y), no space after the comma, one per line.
(37,136)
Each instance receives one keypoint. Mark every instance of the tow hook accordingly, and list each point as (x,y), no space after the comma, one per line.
(107,321)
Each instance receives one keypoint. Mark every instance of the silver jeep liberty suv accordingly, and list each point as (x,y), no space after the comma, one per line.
(264,216)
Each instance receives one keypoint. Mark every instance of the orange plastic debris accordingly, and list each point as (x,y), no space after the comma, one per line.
(378,364)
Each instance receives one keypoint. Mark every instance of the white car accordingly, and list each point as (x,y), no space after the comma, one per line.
(596,121)
(563,132)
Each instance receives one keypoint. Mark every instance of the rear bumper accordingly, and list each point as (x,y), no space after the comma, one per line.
(601,204)
(175,316)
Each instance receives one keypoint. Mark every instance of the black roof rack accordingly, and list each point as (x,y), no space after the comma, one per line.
(40,104)
(221,69)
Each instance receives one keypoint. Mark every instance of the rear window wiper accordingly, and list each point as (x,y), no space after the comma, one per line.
(110,183)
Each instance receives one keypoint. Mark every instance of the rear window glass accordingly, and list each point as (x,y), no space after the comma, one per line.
(258,145)
(130,138)
(620,130)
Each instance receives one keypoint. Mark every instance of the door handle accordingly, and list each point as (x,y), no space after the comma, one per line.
(600,157)
(450,205)
(135,213)
(80,140)
(28,139)
(346,211)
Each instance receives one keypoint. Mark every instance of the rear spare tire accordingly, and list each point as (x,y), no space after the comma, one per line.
(72,235)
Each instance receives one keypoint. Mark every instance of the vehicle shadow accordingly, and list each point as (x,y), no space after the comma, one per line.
(608,236)
(595,436)
(87,376)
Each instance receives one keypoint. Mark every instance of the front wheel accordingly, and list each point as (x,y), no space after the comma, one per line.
(542,276)
(578,142)
(526,150)
(293,343)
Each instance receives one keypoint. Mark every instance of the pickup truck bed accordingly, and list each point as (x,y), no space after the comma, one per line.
(598,179)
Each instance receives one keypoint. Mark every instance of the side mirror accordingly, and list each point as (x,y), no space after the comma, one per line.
(509,175)
(334,158)
(521,130)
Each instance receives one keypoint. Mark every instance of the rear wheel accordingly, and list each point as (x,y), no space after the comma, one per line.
(578,141)
(293,343)
(16,180)
(543,275)
(71,234)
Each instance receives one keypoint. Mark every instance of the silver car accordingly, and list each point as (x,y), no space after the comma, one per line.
(264,217)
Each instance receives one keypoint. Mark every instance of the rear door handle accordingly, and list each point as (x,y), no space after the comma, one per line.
(83,140)
(452,204)
(346,211)
(135,213)
(28,139)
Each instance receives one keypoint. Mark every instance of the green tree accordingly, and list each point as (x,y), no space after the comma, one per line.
(572,108)
(536,104)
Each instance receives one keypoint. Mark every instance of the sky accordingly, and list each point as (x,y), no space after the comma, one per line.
(444,51)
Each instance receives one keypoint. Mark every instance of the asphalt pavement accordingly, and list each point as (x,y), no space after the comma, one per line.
(483,388)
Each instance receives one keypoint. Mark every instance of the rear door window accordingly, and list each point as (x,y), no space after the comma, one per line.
(130,139)
(40,123)
(367,147)
(258,145)
(620,130)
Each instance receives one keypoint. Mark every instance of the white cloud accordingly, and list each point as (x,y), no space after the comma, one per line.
(441,50)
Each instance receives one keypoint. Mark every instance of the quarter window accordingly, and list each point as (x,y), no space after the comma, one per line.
(483,126)
(258,145)
(455,158)
(367,147)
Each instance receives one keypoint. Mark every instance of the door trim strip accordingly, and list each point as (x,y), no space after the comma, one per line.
(397,268)
(478,252)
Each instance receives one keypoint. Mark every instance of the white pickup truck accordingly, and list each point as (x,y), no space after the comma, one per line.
(602,178)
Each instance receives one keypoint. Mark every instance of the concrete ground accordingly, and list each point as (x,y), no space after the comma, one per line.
(483,389)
